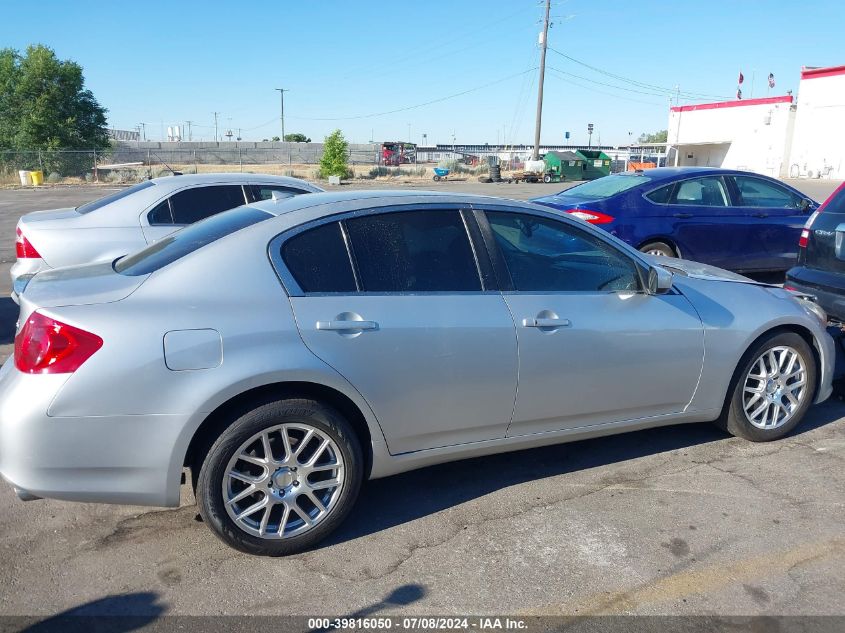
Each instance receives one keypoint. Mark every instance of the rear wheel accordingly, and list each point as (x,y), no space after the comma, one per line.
(658,248)
(280,478)
(772,389)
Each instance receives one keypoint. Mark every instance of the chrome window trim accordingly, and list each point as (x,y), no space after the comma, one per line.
(293,289)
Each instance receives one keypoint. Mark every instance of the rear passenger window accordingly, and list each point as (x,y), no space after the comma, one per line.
(192,205)
(662,195)
(318,260)
(413,251)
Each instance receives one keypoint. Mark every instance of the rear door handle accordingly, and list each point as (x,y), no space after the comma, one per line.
(346,326)
(546,322)
(683,216)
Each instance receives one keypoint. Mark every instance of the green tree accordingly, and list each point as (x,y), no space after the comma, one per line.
(45,106)
(296,137)
(275,139)
(334,160)
(656,137)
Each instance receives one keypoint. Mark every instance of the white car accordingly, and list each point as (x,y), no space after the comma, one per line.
(131,218)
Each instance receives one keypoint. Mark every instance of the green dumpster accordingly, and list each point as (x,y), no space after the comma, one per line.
(564,166)
(596,163)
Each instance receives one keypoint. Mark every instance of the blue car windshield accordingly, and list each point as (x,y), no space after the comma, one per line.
(606,187)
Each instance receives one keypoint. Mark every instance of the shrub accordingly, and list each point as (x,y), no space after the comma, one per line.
(335,160)
(54,177)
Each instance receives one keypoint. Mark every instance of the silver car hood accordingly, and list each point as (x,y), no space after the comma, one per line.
(697,270)
(79,285)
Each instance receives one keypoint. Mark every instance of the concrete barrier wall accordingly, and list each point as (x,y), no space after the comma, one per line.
(207,153)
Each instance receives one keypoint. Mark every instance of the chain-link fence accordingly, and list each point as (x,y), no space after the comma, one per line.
(128,163)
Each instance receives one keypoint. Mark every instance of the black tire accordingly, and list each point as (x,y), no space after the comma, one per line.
(734,419)
(436,178)
(547,179)
(660,248)
(209,490)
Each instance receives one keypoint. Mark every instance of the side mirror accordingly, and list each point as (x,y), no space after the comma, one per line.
(807,205)
(659,280)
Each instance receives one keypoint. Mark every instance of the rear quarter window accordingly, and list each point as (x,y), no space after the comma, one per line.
(193,237)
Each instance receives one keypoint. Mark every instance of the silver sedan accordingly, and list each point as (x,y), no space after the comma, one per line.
(287,350)
(131,218)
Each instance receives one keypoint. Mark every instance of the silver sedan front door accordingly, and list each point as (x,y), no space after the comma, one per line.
(593,348)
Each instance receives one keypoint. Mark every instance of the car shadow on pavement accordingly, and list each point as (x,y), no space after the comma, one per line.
(116,613)
(386,503)
(8,319)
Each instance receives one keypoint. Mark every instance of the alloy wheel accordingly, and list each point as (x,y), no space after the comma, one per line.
(283,481)
(774,388)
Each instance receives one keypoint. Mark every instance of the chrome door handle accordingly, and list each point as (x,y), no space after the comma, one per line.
(546,322)
(346,326)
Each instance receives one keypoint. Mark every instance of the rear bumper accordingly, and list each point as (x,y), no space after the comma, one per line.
(108,459)
(828,288)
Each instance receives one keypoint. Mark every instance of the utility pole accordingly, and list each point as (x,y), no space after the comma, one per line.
(215,125)
(188,123)
(143,130)
(544,37)
(282,92)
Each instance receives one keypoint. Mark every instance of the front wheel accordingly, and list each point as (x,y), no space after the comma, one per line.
(772,389)
(280,478)
(547,178)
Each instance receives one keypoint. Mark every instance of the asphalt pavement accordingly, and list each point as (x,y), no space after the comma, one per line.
(676,520)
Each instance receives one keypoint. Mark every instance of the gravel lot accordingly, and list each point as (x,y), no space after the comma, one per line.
(680,520)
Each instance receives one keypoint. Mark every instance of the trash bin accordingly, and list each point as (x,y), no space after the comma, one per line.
(563,166)
(24,176)
(37,177)
(596,163)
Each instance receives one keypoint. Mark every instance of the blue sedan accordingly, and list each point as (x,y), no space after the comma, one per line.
(732,219)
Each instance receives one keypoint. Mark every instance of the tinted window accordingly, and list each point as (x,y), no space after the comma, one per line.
(101,202)
(189,239)
(755,192)
(265,192)
(662,195)
(607,186)
(543,255)
(318,260)
(702,192)
(160,213)
(193,205)
(413,251)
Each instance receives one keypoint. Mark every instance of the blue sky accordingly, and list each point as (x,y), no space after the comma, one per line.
(162,63)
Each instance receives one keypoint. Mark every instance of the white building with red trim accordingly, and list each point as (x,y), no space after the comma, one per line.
(775,136)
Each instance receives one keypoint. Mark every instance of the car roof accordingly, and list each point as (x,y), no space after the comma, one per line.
(671,173)
(233,177)
(375,198)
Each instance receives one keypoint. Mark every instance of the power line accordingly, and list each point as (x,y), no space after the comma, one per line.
(601,83)
(556,74)
(667,91)
(418,105)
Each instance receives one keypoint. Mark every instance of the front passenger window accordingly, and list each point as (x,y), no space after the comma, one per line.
(543,255)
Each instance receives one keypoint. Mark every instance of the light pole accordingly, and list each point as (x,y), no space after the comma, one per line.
(282,92)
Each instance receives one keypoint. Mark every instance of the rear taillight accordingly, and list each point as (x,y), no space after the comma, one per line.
(805,237)
(47,346)
(23,248)
(593,217)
